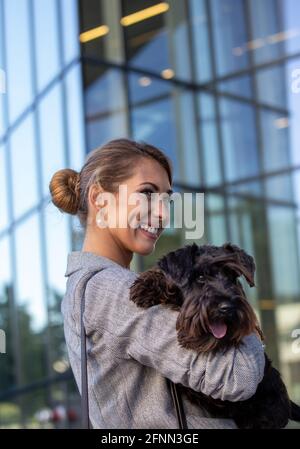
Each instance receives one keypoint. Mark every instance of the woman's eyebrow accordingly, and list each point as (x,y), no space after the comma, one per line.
(170,191)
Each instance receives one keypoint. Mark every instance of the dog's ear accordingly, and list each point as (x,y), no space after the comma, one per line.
(154,287)
(242,264)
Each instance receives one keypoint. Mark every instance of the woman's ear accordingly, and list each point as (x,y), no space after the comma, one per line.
(93,195)
(153,287)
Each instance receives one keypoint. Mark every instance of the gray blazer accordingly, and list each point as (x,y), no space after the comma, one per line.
(131,352)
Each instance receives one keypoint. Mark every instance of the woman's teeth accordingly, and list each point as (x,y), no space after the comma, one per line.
(149,229)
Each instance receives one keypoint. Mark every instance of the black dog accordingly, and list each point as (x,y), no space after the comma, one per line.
(202,282)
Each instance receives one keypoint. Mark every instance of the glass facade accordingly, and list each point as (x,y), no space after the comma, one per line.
(216,85)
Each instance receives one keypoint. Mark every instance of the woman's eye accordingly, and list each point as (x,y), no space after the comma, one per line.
(147,192)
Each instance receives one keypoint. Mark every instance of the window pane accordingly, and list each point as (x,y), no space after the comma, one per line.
(29,271)
(32,315)
(285,263)
(239,139)
(52,135)
(57,241)
(2,77)
(280,188)
(19,67)
(46,40)
(208,129)
(275,140)
(24,169)
(75,117)
(238,86)
(290,10)
(229,31)
(266,44)
(3,190)
(6,295)
(200,36)
(105,105)
(69,10)
(215,227)
(271,86)
(147,40)
(155,123)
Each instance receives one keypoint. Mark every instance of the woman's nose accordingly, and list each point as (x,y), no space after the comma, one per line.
(160,211)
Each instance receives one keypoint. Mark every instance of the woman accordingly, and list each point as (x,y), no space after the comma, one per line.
(131,351)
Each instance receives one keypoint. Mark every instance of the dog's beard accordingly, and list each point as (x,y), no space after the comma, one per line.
(212,319)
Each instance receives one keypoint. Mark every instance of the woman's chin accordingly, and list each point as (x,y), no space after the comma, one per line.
(146,249)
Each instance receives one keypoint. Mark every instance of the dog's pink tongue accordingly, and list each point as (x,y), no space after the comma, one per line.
(218,329)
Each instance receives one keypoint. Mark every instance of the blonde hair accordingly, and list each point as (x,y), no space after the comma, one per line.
(109,165)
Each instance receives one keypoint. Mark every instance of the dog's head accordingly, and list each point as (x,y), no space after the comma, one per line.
(215,312)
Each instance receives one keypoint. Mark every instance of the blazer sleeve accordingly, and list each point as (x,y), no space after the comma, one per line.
(149,337)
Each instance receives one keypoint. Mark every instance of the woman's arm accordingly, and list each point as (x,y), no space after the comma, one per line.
(149,336)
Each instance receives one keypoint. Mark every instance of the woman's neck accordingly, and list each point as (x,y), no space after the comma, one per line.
(106,247)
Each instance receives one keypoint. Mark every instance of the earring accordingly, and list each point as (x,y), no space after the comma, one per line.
(99,220)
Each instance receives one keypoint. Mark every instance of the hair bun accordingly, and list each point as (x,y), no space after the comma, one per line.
(65,190)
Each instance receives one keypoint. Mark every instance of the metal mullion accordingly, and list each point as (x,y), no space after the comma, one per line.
(267,271)
(217,115)
(38,158)
(206,87)
(139,259)
(12,244)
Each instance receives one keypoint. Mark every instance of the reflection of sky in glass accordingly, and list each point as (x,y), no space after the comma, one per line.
(143,88)
(106,93)
(239,86)
(24,169)
(154,56)
(264,23)
(75,117)
(29,271)
(57,241)
(46,40)
(271,86)
(70,29)
(284,257)
(291,16)
(239,137)
(52,135)
(154,123)
(201,39)
(3,190)
(225,13)
(19,67)
(110,127)
(275,142)
(211,155)
(5,275)
(105,106)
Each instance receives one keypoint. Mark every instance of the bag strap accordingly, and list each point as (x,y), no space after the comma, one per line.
(178,405)
(84,374)
(181,418)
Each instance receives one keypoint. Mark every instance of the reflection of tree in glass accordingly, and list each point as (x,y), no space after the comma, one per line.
(37,352)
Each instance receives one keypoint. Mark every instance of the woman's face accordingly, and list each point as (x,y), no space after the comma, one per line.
(135,236)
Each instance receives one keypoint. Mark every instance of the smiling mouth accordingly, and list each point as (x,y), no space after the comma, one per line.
(150,231)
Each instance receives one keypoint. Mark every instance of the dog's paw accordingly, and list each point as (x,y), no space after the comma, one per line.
(153,287)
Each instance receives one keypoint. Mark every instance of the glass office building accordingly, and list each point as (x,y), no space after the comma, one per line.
(216,85)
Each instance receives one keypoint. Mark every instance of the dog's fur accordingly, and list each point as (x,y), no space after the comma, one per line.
(201,282)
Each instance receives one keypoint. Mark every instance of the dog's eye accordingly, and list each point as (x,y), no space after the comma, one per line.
(200,278)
